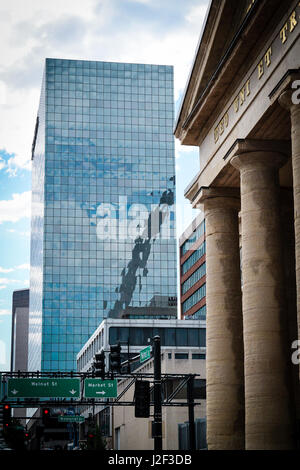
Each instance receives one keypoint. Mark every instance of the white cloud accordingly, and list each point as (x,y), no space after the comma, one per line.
(5,282)
(4,312)
(184,149)
(19,232)
(94,30)
(2,163)
(17,120)
(2,93)
(195,16)
(24,266)
(16,208)
(6,270)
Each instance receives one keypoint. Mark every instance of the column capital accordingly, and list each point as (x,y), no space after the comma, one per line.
(216,198)
(285,99)
(260,153)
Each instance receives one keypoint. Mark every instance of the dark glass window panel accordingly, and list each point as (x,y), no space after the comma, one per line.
(202,337)
(193,337)
(181,337)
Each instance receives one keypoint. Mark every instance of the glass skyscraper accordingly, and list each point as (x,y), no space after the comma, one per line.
(103,190)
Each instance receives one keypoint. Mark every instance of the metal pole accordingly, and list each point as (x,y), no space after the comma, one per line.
(112,428)
(128,358)
(190,397)
(157,394)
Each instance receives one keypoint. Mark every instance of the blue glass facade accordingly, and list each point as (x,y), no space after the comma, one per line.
(104,154)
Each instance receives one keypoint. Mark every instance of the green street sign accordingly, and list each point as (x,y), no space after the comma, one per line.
(71,419)
(43,388)
(98,388)
(145,354)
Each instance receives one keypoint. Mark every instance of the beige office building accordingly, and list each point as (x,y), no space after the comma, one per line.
(241,108)
(135,433)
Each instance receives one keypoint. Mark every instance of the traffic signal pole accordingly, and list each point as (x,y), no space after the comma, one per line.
(190,397)
(157,424)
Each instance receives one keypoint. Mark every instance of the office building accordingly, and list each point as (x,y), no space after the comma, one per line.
(173,333)
(183,349)
(193,271)
(19,330)
(241,108)
(126,427)
(19,338)
(103,186)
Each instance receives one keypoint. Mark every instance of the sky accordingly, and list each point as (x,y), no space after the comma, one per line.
(135,31)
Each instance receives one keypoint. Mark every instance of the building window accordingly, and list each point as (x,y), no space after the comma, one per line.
(181,355)
(198,356)
(195,277)
(195,256)
(199,315)
(193,238)
(194,298)
(117,438)
(168,336)
(104,421)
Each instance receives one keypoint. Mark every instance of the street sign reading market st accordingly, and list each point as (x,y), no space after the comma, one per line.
(98,388)
(43,388)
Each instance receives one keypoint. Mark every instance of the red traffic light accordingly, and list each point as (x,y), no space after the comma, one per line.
(91,436)
(6,415)
(46,416)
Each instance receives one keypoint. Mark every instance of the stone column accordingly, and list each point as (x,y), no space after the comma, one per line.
(287,226)
(224,329)
(286,100)
(267,404)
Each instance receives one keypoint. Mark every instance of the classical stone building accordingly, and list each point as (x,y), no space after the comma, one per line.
(241,108)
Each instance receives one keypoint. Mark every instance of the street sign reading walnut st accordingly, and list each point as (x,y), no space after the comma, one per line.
(43,388)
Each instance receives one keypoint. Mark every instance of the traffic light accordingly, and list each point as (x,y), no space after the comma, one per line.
(115,358)
(142,399)
(99,365)
(46,416)
(90,440)
(6,416)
